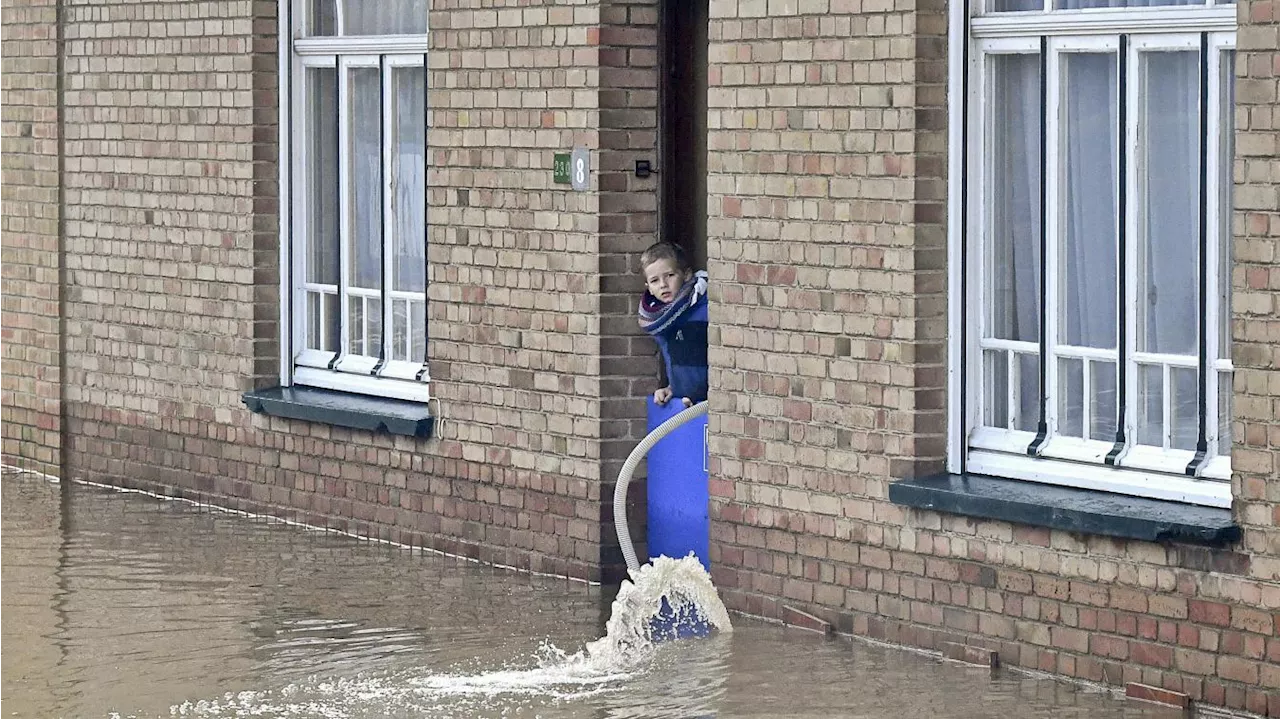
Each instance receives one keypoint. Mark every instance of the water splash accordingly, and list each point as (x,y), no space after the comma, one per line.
(639,609)
(642,614)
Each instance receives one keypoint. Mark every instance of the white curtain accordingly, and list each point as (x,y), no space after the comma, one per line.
(1086,306)
(1014,170)
(408,243)
(1012,286)
(369,17)
(1087,260)
(1169,267)
(385,17)
(322,205)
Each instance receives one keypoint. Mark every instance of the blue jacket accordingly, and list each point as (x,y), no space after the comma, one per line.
(684,353)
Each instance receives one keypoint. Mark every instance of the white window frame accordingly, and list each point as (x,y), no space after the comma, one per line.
(395,379)
(1141,471)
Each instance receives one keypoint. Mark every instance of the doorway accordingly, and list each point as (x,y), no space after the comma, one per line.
(682,97)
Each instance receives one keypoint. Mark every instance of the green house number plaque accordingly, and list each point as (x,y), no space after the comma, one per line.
(573,168)
(560,168)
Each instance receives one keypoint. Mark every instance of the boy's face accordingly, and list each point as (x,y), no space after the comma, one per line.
(664,279)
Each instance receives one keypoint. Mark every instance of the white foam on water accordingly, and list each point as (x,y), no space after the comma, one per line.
(603,665)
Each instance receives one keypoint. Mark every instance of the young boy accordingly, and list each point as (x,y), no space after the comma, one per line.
(674,311)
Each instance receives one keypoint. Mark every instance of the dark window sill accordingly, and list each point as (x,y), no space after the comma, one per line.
(1072,510)
(343,409)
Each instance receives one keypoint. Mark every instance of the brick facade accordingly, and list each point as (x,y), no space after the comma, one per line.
(827,249)
(172,305)
(29,222)
(827,193)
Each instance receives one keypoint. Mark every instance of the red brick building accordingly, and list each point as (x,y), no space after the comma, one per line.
(995,294)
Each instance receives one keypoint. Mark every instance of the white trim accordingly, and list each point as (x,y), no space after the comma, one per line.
(1128,156)
(1077,449)
(362,45)
(388,112)
(297,203)
(345,214)
(299,363)
(1107,21)
(999,439)
(363,384)
(1213,226)
(1019,346)
(1168,42)
(1051,245)
(1143,471)
(1002,46)
(1151,485)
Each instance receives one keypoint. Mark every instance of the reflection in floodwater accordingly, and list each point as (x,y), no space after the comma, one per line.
(119,604)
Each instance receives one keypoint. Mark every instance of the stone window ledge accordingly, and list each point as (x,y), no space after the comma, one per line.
(1073,510)
(343,409)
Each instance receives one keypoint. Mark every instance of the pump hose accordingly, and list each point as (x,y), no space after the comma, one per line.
(629,466)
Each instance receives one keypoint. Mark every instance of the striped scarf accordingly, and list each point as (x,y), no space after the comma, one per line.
(655,316)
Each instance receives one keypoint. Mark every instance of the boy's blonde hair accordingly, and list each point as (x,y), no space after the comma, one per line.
(665,251)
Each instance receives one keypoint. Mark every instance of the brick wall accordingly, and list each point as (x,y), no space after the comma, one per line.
(827,197)
(172,240)
(827,159)
(1256,284)
(29,217)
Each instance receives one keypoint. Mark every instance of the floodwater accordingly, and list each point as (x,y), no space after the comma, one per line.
(123,605)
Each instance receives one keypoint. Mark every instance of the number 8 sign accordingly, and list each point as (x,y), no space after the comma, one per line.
(580,168)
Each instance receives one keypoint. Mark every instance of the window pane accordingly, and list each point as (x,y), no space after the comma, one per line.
(1150,421)
(409,171)
(332,312)
(365,240)
(315,321)
(373,329)
(409,242)
(355,325)
(1088,260)
(322,176)
(1071,397)
(1103,415)
(1224,413)
(418,331)
(1185,410)
(400,329)
(1011,289)
(384,17)
(322,317)
(1028,388)
(1014,5)
(1086,4)
(1169,171)
(322,18)
(995,383)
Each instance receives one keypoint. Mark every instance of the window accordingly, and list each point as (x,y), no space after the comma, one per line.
(354,139)
(1091,320)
